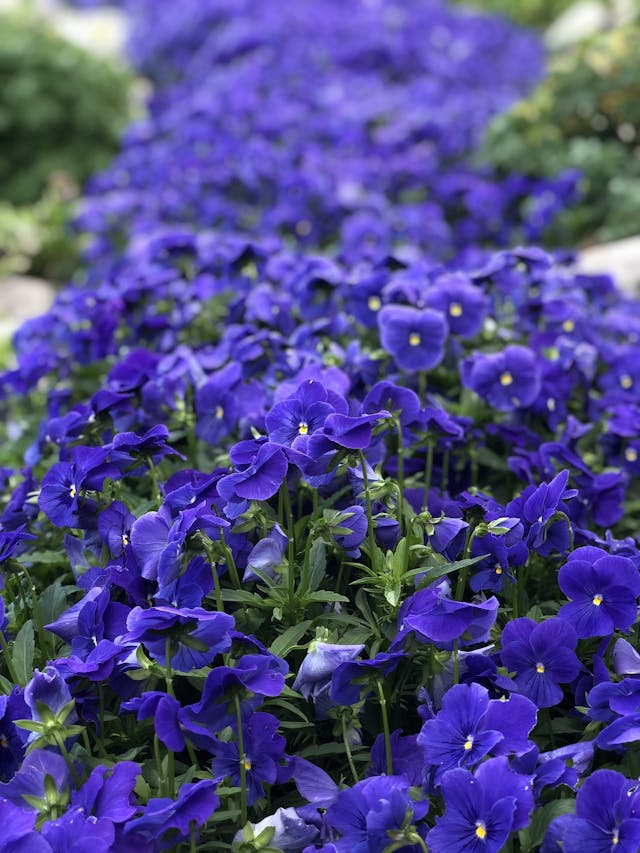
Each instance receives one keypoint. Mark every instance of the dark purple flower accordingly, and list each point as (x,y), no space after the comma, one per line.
(607,816)
(108,793)
(603,592)
(260,480)
(295,419)
(541,656)
(507,380)
(462,303)
(254,676)
(436,618)
(349,678)
(414,337)
(470,726)
(196,801)
(75,832)
(481,810)
(192,636)
(368,815)
(266,555)
(47,694)
(316,670)
(263,750)
(63,485)
(18,830)
(114,525)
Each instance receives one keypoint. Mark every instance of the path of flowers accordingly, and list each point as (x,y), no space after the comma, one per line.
(318,528)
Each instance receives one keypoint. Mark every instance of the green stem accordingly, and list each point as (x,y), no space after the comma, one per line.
(367,497)
(171,774)
(400,453)
(243,763)
(217,591)
(192,836)
(422,386)
(63,749)
(385,726)
(158,759)
(456,663)
(154,479)
(347,749)
(86,741)
(37,613)
(167,667)
(291,548)
(8,659)
(428,470)
(231,563)
(445,472)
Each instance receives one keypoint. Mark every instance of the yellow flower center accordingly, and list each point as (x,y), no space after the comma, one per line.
(219,413)
(414,339)
(631,454)
(568,326)
(72,492)
(597,600)
(468,742)
(481,830)
(626,381)
(506,378)
(540,668)
(498,570)
(455,309)
(374,303)
(303,428)
(247,763)
(551,404)
(125,539)
(616,837)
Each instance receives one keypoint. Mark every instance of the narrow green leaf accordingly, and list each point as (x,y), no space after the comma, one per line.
(289,638)
(23,652)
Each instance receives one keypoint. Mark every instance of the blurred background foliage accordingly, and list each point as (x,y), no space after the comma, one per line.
(530,13)
(61,114)
(585,116)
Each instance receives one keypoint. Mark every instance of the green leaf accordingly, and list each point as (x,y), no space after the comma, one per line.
(52,602)
(317,564)
(532,836)
(23,652)
(432,573)
(289,638)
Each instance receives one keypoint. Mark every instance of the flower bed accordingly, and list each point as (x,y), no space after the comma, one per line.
(317,551)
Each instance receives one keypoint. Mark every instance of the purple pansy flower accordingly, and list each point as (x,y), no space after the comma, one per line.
(541,656)
(607,816)
(414,337)
(507,380)
(481,810)
(470,726)
(603,590)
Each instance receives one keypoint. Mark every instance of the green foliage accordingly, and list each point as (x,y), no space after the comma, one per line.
(35,238)
(530,13)
(61,109)
(585,116)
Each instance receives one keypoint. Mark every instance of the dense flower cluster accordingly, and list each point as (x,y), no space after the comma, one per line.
(344,131)
(310,551)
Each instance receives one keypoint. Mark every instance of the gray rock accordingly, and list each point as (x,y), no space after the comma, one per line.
(620,258)
(22,297)
(586,18)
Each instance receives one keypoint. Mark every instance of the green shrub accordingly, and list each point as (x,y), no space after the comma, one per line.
(586,116)
(61,109)
(529,13)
